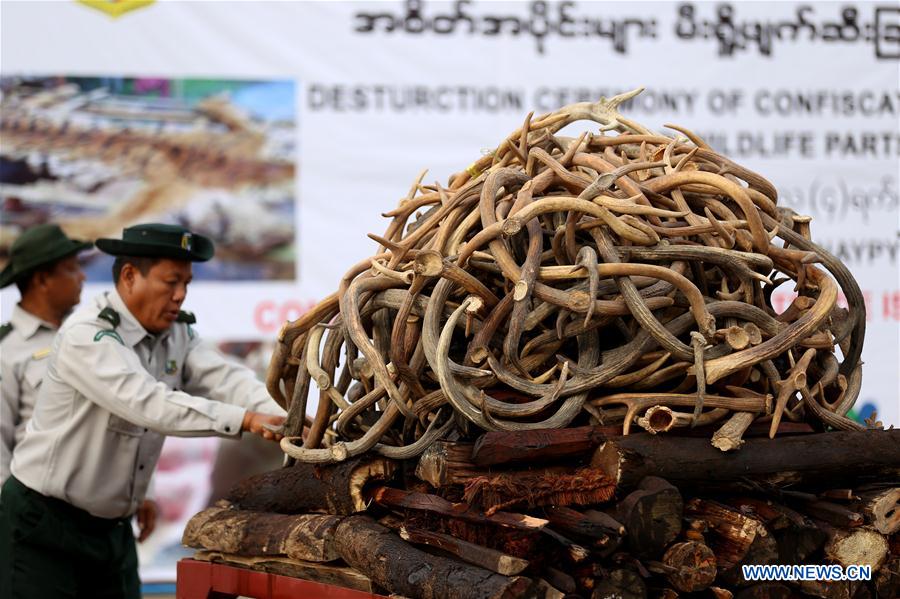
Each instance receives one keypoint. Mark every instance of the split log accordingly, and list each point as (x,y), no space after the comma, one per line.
(397,498)
(797,537)
(488,559)
(828,457)
(693,566)
(731,533)
(763,551)
(548,486)
(401,568)
(575,553)
(503,447)
(864,546)
(881,507)
(652,516)
(541,589)
(620,584)
(446,463)
(340,576)
(602,529)
(835,514)
(560,580)
(308,537)
(335,489)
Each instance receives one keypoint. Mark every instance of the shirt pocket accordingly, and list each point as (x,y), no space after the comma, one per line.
(34,373)
(124,427)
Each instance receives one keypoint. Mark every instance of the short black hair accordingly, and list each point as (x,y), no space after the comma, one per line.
(142,263)
(23,282)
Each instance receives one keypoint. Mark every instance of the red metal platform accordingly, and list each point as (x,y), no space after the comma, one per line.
(205,580)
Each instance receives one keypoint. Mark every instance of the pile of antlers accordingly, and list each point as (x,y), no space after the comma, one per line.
(620,277)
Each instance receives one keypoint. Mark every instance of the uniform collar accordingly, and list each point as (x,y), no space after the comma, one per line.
(130,329)
(27,323)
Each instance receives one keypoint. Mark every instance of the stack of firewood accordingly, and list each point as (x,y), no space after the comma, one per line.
(578,512)
(481,378)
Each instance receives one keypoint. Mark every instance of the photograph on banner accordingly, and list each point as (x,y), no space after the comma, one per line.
(97,154)
(196,472)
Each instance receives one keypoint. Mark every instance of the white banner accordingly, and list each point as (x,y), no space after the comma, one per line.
(341,104)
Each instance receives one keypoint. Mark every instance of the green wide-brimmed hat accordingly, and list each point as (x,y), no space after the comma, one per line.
(36,247)
(155,240)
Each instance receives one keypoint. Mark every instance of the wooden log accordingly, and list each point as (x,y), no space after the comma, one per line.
(763,551)
(620,584)
(602,529)
(881,508)
(524,544)
(302,488)
(731,533)
(397,498)
(560,580)
(832,457)
(547,486)
(835,514)
(693,566)
(340,576)
(504,447)
(797,537)
(541,589)
(606,520)
(485,557)
(863,545)
(574,552)
(446,463)
(308,537)
(652,516)
(759,428)
(839,495)
(401,568)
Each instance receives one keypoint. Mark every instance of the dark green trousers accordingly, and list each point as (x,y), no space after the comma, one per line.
(49,548)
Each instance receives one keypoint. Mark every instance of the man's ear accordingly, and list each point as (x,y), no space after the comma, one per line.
(126,275)
(39,279)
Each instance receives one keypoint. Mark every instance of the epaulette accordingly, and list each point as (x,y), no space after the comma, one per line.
(5,329)
(110,316)
(186,317)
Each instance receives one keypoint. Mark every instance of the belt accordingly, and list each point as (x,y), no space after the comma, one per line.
(76,515)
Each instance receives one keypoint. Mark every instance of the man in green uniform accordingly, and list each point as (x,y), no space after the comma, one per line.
(44,266)
(126,370)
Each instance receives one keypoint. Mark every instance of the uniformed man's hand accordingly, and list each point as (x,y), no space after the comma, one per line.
(266,426)
(146,519)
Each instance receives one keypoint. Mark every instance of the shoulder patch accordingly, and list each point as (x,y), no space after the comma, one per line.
(108,333)
(110,316)
(5,330)
(186,317)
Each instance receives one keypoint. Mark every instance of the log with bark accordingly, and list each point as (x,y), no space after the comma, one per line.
(335,489)
(308,537)
(382,556)
(826,457)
